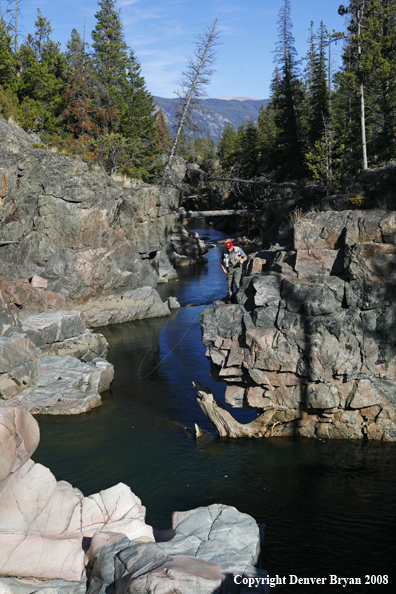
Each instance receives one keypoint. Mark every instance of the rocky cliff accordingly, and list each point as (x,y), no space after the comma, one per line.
(93,240)
(311,343)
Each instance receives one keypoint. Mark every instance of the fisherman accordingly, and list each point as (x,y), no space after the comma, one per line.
(231,264)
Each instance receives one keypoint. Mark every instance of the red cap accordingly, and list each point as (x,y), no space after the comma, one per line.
(229,244)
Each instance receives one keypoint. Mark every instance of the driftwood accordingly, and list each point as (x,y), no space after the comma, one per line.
(225,423)
(193,214)
(260,182)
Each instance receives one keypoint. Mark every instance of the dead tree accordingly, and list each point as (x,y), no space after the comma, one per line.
(225,423)
(192,86)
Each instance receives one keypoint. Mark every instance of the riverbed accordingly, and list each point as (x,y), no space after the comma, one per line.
(329,506)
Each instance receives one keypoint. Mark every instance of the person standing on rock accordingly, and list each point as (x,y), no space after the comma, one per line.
(231,264)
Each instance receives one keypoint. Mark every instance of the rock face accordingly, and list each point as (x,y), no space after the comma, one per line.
(312,336)
(51,383)
(67,226)
(50,533)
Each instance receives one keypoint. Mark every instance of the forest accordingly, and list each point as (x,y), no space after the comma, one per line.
(321,124)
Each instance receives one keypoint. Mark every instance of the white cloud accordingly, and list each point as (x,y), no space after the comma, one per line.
(123,3)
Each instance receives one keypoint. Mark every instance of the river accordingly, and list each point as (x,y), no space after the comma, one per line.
(329,506)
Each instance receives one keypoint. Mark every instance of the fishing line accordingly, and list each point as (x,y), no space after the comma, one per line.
(178,342)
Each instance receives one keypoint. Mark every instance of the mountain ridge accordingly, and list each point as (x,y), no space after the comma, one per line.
(216,112)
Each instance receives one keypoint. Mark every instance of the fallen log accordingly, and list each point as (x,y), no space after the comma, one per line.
(224,422)
(194,214)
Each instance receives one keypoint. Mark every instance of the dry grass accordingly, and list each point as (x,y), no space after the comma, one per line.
(295,215)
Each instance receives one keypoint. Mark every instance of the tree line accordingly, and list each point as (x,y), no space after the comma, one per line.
(320,124)
(92,100)
(86,100)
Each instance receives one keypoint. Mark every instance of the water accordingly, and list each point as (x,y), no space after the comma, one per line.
(329,507)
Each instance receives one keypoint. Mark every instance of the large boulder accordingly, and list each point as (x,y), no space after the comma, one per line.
(37,369)
(207,548)
(64,386)
(64,333)
(187,247)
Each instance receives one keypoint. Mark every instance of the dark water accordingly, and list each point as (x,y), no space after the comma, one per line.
(329,507)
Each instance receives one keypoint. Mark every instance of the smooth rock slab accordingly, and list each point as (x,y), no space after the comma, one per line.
(217,534)
(65,385)
(18,586)
(133,305)
(209,544)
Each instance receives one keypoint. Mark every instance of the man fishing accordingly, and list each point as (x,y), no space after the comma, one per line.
(231,264)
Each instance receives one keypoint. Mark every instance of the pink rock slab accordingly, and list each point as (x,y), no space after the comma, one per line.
(44,522)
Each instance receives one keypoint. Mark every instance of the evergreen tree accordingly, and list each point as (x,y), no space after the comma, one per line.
(247,150)
(379,73)
(286,100)
(357,60)
(8,59)
(75,52)
(163,133)
(111,53)
(87,110)
(266,129)
(137,117)
(226,147)
(42,81)
(317,93)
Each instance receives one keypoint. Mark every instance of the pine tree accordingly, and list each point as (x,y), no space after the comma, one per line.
(226,147)
(75,52)
(379,63)
(266,129)
(247,150)
(163,133)
(111,53)
(137,117)
(286,100)
(8,59)
(42,81)
(357,60)
(87,110)
(317,94)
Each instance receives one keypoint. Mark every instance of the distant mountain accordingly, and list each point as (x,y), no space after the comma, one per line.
(216,112)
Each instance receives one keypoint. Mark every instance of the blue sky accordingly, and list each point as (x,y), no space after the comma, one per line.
(162,33)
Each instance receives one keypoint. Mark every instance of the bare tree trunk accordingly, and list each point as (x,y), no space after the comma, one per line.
(362,111)
(330,146)
(224,422)
(16,26)
(197,69)
(195,214)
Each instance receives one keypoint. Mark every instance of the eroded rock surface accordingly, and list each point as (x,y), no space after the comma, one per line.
(65,333)
(313,334)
